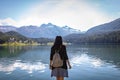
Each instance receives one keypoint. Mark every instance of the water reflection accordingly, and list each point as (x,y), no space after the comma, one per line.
(29,67)
(13,51)
(84,59)
(96,62)
(98,55)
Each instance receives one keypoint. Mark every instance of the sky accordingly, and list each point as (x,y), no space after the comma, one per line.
(77,14)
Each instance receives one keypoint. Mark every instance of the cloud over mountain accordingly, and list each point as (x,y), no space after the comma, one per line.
(79,14)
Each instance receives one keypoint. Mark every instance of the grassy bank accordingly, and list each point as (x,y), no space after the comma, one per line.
(18,44)
(29,44)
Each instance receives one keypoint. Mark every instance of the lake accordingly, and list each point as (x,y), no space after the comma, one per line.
(89,62)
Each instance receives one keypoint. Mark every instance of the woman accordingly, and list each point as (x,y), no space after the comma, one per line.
(59,72)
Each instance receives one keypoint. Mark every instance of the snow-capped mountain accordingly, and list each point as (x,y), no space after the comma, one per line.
(45,30)
(29,31)
(7,28)
(69,29)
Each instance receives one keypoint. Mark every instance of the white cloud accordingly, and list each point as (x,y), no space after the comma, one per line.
(75,13)
(85,59)
(8,21)
(23,66)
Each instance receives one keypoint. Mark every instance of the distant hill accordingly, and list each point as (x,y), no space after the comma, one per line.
(5,37)
(105,33)
(73,37)
(42,40)
(44,31)
(109,37)
(7,28)
(108,27)
(16,35)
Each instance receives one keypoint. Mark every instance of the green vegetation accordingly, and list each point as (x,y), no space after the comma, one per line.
(15,39)
(11,37)
(18,44)
(107,37)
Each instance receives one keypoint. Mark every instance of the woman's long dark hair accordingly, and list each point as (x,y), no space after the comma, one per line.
(58,42)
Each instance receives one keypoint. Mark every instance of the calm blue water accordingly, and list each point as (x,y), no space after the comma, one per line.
(89,62)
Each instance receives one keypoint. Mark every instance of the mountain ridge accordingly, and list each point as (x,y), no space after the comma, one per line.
(44,30)
(107,27)
(105,33)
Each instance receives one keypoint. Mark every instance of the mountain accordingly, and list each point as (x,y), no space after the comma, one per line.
(16,35)
(42,40)
(29,31)
(12,35)
(7,28)
(5,37)
(107,27)
(71,38)
(44,31)
(108,37)
(50,31)
(105,33)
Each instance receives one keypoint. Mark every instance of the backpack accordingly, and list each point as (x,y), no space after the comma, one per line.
(57,61)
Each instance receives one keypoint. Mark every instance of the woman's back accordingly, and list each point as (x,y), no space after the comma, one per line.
(61,71)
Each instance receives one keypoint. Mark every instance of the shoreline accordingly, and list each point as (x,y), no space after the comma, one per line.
(30,44)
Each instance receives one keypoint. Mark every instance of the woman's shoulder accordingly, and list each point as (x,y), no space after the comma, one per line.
(52,47)
(63,46)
